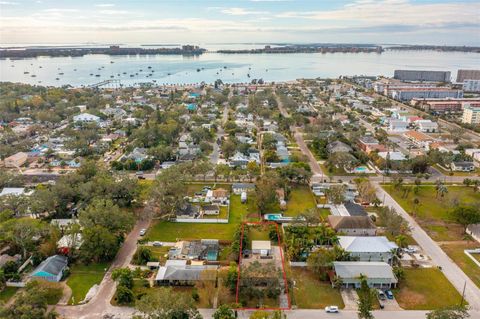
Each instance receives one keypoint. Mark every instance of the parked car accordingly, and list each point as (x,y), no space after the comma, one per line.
(389,294)
(410,250)
(143,231)
(331,309)
(381,295)
(157,244)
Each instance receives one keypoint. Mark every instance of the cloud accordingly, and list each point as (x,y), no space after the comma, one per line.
(114,12)
(105,5)
(388,12)
(270,0)
(8,3)
(241,12)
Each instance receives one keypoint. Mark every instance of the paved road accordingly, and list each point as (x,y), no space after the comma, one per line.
(315,167)
(220,133)
(453,273)
(100,303)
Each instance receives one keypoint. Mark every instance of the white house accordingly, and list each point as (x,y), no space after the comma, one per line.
(368,248)
(398,126)
(86,118)
(427,126)
(261,247)
(378,274)
(462,166)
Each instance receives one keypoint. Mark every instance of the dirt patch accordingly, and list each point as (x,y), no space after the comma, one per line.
(410,298)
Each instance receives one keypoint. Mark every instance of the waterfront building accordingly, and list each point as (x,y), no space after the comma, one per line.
(417,75)
(463,75)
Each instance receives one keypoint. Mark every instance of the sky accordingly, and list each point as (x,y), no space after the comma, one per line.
(440,22)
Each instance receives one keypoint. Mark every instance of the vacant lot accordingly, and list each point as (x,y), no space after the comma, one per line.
(424,289)
(82,278)
(300,199)
(169,231)
(311,293)
(433,212)
(456,252)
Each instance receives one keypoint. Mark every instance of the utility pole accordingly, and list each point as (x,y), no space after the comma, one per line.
(463,294)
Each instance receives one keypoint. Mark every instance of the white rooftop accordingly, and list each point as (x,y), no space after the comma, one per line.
(376,244)
(15,191)
(261,245)
(370,269)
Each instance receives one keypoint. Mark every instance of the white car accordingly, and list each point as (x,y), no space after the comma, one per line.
(143,231)
(331,309)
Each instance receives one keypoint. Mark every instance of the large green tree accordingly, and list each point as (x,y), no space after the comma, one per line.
(167,304)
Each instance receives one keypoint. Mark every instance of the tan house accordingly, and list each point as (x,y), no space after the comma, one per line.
(16,160)
(353,225)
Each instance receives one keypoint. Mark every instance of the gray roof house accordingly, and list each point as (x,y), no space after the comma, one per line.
(51,269)
(338,147)
(238,188)
(368,248)
(378,274)
(177,272)
(353,225)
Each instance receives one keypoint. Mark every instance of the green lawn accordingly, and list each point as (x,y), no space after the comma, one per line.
(426,289)
(456,252)
(159,253)
(311,293)
(82,278)
(7,293)
(168,231)
(300,199)
(432,212)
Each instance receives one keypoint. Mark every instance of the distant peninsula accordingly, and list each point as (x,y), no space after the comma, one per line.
(20,53)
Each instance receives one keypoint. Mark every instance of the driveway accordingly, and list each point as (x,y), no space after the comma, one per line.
(350,298)
(100,305)
(453,273)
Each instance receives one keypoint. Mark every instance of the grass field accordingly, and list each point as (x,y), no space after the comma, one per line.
(425,289)
(82,278)
(7,293)
(300,199)
(168,231)
(456,252)
(311,293)
(433,213)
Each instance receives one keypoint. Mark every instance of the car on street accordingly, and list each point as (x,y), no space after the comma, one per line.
(143,231)
(331,309)
(157,244)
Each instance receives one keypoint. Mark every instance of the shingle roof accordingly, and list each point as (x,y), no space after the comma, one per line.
(351,222)
(355,209)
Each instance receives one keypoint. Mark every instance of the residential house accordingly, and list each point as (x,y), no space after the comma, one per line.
(353,225)
(392,156)
(51,269)
(178,273)
(14,191)
(463,166)
(427,126)
(16,160)
(377,274)
(238,188)
(377,248)
(397,126)
(211,210)
(69,242)
(188,210)
(261,247)
(219,195)
(205,249)
(86,118)
(338,147)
